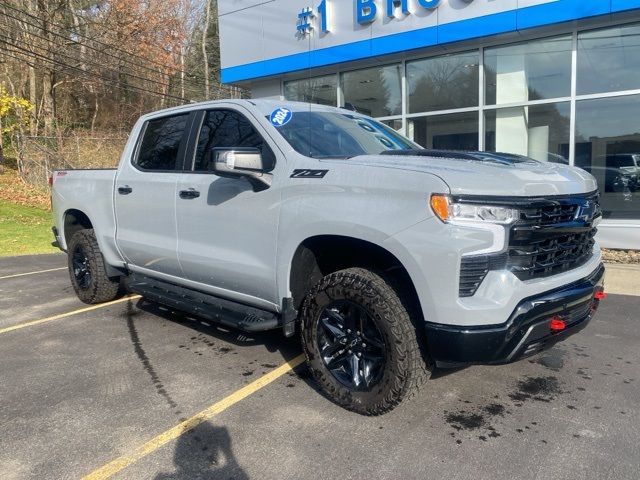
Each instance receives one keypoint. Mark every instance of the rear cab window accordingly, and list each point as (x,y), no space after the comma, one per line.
(161,147)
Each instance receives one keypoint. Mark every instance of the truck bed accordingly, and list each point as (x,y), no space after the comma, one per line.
(90,191)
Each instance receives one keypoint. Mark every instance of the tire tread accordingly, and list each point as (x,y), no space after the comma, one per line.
(102,288)
(412,370)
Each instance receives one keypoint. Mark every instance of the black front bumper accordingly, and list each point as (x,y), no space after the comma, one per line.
(525,333)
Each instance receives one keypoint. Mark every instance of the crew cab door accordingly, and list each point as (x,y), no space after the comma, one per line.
(145,196)
(227,230)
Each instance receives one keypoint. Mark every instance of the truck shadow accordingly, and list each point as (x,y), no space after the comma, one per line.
(204,453)
(273,341)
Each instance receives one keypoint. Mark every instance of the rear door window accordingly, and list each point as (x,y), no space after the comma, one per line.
(161,148)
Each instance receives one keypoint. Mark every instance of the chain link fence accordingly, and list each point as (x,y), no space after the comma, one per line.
(38,156)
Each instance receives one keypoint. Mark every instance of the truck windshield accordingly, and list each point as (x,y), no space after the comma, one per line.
(340,135)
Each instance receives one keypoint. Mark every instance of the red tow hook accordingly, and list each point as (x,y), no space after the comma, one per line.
(600,295)
(557,325)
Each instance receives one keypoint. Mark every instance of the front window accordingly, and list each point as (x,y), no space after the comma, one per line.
(609,60)
(454,131)
(536,70)
(340,135)
(443,83)
(321,90)
(541,132)
(228,129)
(607,143)
(376,92)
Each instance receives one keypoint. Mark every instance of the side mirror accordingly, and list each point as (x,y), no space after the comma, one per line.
(241,162)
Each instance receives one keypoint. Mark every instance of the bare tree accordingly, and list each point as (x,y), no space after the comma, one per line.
(205,56)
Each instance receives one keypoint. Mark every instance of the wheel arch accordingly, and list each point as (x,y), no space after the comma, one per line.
(74,221)
(320,255)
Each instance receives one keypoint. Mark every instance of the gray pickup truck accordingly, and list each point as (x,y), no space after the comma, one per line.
(387,258)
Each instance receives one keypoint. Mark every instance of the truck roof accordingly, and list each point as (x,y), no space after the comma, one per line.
(266,106)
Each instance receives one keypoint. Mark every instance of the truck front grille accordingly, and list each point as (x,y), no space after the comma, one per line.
(548,214)
(552,236)
(545,257)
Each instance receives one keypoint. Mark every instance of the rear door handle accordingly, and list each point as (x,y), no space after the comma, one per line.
(125,190)
(190,193)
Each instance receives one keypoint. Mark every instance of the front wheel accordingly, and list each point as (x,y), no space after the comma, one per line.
(361,345)
(87,270)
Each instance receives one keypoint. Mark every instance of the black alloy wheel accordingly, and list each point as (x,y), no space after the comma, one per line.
(351,346)
(81,268)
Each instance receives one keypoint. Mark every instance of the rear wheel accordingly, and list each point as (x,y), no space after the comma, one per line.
(360,342)
(87,270)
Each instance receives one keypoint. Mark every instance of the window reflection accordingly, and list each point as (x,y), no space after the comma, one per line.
(540,132)
(528,71)
(608,146)
(228,129)
(458,131)
(443,83)
(609,60)
(376,92)
(161,143)
(321,90)
(396,124)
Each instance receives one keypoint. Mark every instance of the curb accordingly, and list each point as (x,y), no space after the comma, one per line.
(622,279)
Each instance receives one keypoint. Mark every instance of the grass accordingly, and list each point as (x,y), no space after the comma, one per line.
(25,215)
(24,230)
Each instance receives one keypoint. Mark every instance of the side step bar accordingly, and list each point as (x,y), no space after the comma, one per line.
(219,310)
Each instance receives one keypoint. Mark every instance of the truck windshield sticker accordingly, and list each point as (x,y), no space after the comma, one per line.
(280,116)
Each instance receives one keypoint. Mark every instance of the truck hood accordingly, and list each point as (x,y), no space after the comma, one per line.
(494,175)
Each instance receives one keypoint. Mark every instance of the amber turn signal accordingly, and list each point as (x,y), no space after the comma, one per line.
(440,206)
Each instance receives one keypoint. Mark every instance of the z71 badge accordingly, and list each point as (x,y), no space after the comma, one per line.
(305,173)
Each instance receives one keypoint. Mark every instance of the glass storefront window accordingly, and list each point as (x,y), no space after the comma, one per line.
(536,70)
(456,131)
(536,76)
(322,90)
(609,60)
(540,131)
(443,83)
(396,124)
(376,92)
(608,146)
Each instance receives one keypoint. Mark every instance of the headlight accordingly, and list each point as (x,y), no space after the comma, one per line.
(450,211)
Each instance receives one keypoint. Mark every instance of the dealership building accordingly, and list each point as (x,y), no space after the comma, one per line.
(556,80)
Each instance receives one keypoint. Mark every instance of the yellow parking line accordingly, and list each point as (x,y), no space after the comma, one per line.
(32,273)
(155,443)
(65,315)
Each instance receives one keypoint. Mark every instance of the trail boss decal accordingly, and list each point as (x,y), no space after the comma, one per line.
(306,173)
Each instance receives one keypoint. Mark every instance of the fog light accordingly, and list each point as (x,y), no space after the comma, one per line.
(557,325)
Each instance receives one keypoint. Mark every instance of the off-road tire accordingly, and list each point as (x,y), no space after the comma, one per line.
(405,367)
(100,288)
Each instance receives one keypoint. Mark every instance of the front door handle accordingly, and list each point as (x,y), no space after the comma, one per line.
(190,193)
(125,190)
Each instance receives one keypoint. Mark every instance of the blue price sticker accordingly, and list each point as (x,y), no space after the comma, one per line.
(280,117)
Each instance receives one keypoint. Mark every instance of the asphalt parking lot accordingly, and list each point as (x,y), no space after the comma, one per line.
(115,387)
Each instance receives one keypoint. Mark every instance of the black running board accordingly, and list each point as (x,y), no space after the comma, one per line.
(210,307)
